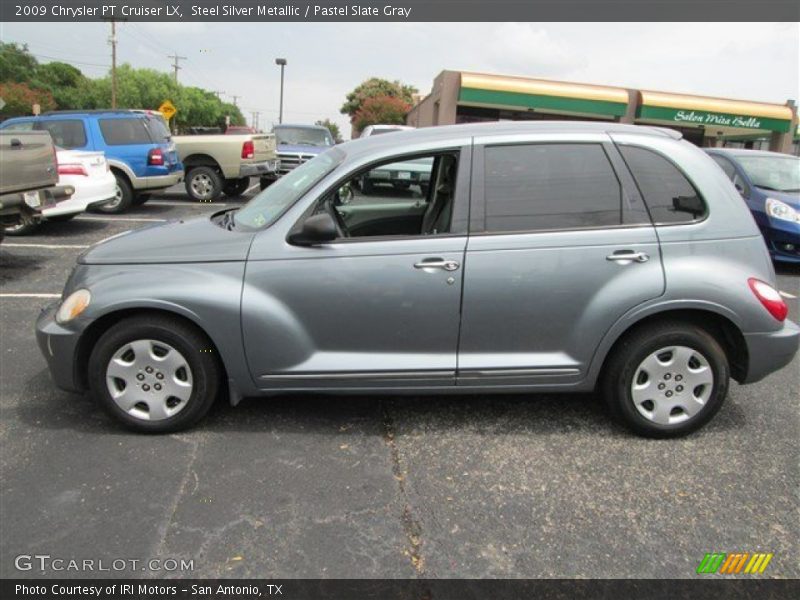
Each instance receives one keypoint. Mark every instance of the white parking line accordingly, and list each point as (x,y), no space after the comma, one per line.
(30,295)
(118,219)
(787,295)
(48,246)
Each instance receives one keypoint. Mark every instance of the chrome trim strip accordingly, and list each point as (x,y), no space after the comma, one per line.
(516,372)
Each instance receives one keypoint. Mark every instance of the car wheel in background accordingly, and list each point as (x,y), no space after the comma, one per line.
(122,200)
(24,224)
(203,184)
(139,199)
(666,380)
(236,187)
(154,374)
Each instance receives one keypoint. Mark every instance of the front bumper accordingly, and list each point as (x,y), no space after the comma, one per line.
(783,240)
(770,352)
(59,347)
(258,169)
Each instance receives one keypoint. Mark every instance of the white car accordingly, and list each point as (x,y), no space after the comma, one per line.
(94,184)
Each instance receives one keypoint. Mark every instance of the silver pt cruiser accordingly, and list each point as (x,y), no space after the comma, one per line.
(541,257)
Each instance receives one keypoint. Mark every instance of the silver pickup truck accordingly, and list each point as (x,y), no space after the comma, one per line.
(28,176)
(218,163)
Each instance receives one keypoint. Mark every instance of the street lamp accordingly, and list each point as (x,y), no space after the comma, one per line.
(281,62)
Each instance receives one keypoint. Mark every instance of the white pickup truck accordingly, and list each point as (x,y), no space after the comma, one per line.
(219,163)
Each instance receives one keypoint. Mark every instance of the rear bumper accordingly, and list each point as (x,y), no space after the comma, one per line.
(770,352)
(58,346)
(258,169)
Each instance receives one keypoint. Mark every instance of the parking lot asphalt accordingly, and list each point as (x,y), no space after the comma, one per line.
(376,486)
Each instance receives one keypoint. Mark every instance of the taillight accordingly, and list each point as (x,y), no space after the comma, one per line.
(770,298)
(155,157)
(248,150)
(72,169)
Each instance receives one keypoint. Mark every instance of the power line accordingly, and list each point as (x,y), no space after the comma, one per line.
(73,62)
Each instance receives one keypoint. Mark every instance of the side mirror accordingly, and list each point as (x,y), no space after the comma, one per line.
(316,229)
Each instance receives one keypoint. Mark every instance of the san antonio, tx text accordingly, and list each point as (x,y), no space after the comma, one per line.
(125,589)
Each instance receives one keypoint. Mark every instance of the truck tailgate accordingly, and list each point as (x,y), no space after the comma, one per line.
(264,146)
(28,161)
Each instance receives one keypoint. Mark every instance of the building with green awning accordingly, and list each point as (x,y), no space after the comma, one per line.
(464,97)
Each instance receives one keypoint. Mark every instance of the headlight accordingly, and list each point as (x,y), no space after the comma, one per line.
(780,210)
(74,305)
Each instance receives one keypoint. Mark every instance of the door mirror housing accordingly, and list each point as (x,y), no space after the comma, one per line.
(316,229)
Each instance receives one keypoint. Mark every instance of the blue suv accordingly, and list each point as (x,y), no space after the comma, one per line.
(138,147)
(769,182)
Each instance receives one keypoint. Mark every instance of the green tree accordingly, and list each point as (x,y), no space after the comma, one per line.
(16,63)
(19,99)
(377,110)
(332,127)
(376,87)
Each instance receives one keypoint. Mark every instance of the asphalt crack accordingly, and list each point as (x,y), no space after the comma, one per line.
(411,526)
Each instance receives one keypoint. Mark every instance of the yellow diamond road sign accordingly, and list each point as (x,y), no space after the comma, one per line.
(167,109)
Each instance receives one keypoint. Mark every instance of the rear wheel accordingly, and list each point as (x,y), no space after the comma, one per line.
(667,380)
(123,197)
(203,184)
(23,224)
(236,187)
(154,374)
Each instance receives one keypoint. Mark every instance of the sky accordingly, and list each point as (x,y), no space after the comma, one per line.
(749,61)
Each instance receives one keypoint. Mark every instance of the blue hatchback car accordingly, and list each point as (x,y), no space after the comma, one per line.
(138,147)
(769,182)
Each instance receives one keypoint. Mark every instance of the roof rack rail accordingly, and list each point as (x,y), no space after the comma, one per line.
(87,111)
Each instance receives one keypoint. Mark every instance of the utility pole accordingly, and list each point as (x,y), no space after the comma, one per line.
(113,41)
(218,93)
(175,64)
(235,98)
(281,62)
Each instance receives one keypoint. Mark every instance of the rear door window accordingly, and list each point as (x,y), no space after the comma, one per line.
(118,132)
(23,126)
(669,195)
(66,133)
(538,187)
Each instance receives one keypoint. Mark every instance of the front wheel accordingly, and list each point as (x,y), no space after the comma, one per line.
(154,374)
(23,224)
(666,380)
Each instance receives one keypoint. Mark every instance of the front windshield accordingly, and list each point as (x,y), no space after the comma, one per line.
(780,173)
(302,136)
(265,208)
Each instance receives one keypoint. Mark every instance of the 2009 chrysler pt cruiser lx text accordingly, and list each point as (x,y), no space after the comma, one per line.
(539,257)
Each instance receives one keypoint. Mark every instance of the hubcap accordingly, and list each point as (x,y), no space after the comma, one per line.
(117,198)
(202,186)
(149,380)
(672,385)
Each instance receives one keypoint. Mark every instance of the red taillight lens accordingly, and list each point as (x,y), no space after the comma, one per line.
(769,297)
(248,150)
(72,169)
(155,157)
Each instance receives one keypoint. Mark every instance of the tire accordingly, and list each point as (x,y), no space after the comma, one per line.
(664,361)
(62,218)
(234,188)
(203,184)
(123,199)
(24,224)
(140,199)
(188,369)
(265,182)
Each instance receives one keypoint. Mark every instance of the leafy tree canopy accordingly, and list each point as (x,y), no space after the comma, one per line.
(376,87)
(332,127)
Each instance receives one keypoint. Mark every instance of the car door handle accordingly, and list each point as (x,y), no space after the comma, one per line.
(437,263)
(627,256)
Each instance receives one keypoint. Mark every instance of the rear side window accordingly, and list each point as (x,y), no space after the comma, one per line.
(669,196)
(66,133)
(117,132)
(23,126)
(550,186)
